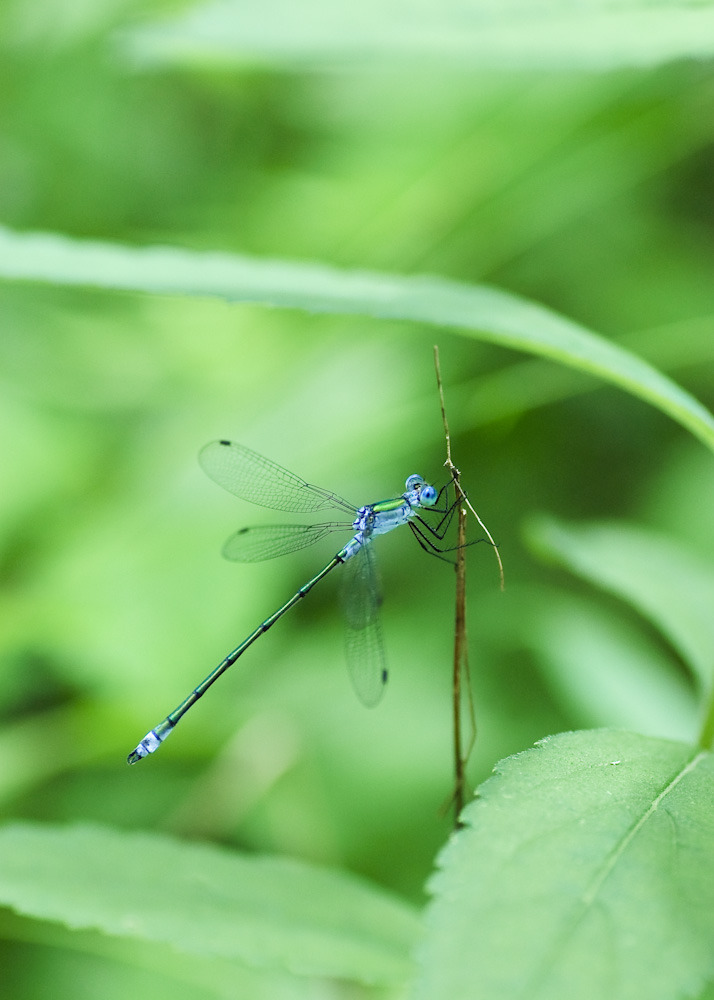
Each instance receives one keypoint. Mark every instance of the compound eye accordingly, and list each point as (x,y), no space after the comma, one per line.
(427,496)
(413,482)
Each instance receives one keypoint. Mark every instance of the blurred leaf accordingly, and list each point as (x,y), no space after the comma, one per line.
(665,582)
(268,912)
(609,674)
(487,313)
(584,870)
(93,964)
(514,389)
(511,34)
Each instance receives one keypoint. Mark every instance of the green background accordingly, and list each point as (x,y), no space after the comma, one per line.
(589,190)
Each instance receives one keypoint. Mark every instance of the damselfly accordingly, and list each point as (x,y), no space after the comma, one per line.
(258,480)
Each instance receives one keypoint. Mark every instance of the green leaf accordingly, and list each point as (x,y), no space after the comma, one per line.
(607,672)
(671,586)
(486,313)
(268,912)
(510,34)
(584,871)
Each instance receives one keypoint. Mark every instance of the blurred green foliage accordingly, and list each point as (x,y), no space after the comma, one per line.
(591,193)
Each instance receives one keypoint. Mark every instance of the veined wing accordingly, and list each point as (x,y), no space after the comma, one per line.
(364,646)
(254,478)
(269,541)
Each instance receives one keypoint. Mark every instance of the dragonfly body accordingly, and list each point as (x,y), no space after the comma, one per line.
(386,515)
(257,479)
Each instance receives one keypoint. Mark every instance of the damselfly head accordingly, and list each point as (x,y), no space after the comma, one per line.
(426,494)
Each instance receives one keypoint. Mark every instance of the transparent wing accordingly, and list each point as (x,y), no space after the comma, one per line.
(256,544)
(363,632)
(250,476)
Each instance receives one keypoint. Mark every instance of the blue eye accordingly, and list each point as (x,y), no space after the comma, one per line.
(414,481)
(427,496)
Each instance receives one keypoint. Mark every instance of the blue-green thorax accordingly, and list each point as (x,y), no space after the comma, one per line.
(385,515)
